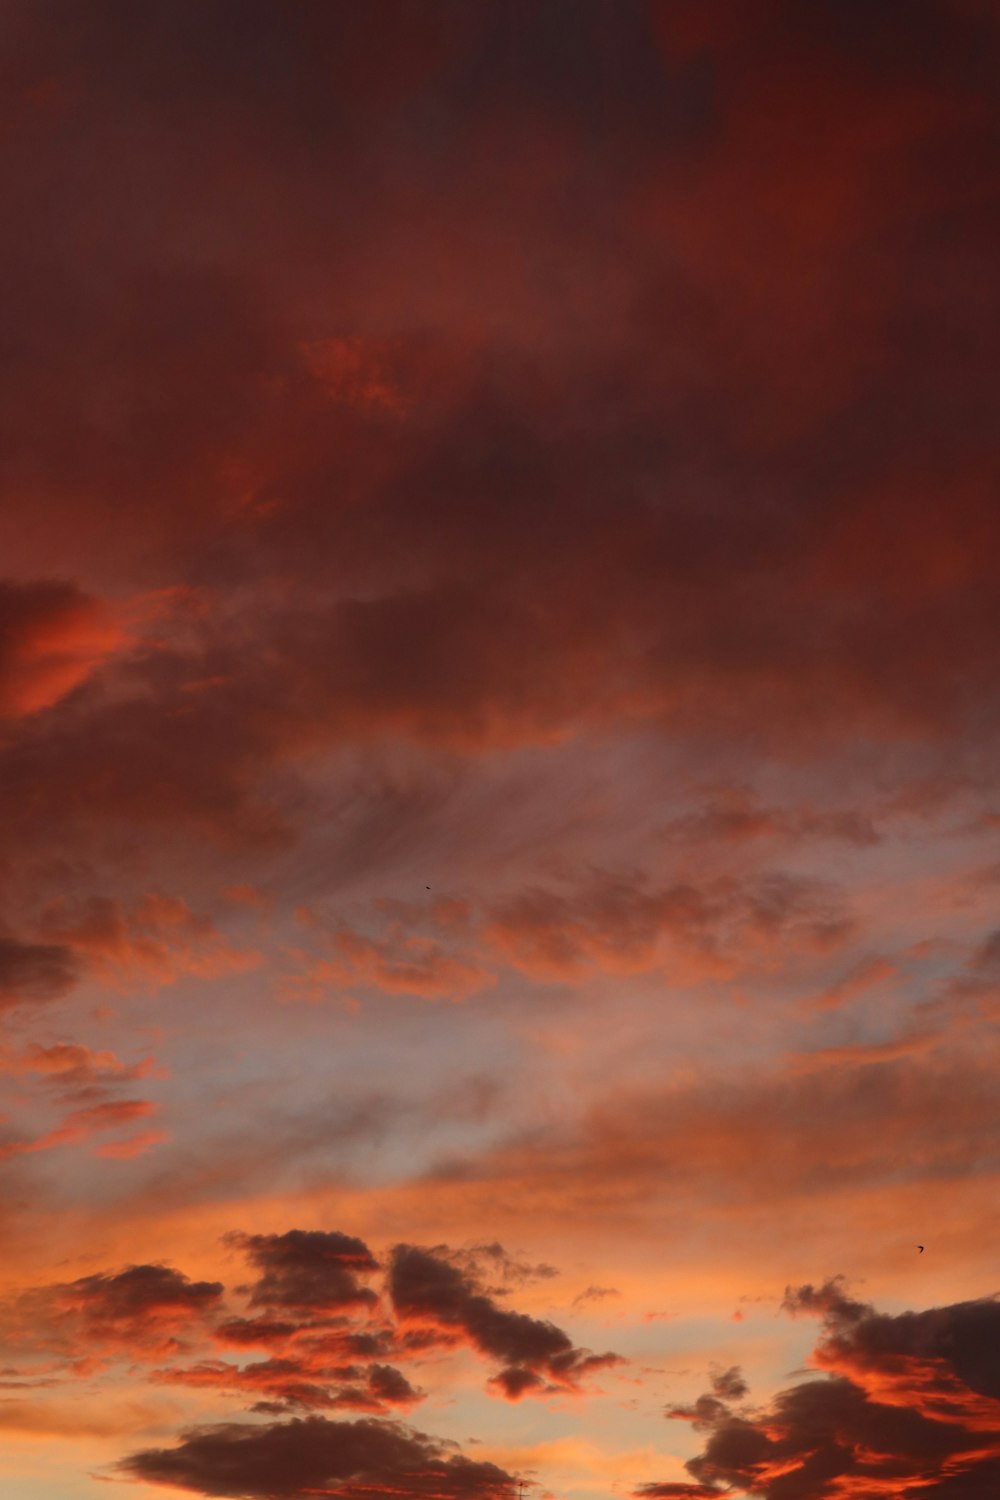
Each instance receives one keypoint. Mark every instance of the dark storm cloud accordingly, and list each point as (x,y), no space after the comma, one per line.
(308,1270)
(313,1455)
(911,1402)
(426,1287)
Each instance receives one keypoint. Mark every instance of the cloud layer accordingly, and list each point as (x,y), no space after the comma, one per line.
(499,660)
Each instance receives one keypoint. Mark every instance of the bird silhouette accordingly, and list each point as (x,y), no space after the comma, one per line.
(921,1249)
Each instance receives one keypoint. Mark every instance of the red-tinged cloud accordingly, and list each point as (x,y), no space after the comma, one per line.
(412,965)
(801,266)
(156,940)
(734,815)
(308,1271)
(139,1312)
(756,1138)
(401,963)
(910,1407)
(135,1145)
(140,1296)
(71,1066)
(863,976)
(52,637)
(300,1383)
(618,924)
(428,1290)
(242,1333)
(314,1456)
(358,374)
(938,1360)
(82,1124)
(625,924)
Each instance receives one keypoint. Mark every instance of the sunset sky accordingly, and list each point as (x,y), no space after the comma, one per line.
(499,734)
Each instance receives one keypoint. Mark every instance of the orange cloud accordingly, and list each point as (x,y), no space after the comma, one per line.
(912,1404)
(156,939)
(81,1124)
(139,1312)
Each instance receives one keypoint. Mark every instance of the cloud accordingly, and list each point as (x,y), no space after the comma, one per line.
(938,1360)
(314,1455)
(73,1067)
(520,416)
(247,398)
(776,1132)
(35,972)
(81,1124)
(713,927)
(626,924)
(52,637)
(135,1145)
(679,1491)
(400,963)
(495,1271)
(729,1384)
(249,1332)
(139,1312)
(734,815)
(910,1406)
(863,976)
(595,1294)
(308,1270)
(357,373)
(305,1380)
(428,1290)
(156,939)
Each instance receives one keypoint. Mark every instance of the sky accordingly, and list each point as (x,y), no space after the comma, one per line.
(499,728)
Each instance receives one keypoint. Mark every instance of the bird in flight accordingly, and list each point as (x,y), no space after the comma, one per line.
(921,1249)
